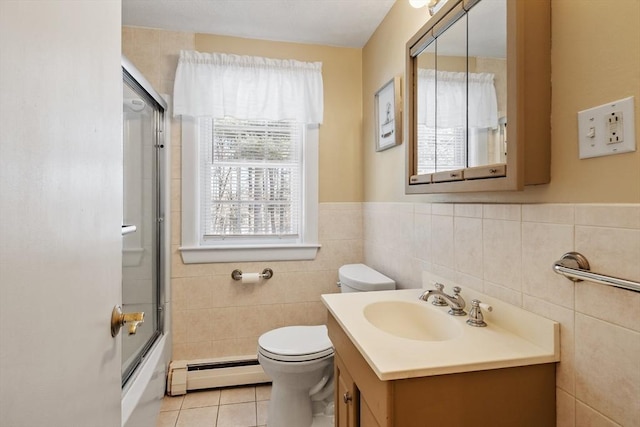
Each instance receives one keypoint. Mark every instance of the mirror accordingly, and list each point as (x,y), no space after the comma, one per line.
(458,80)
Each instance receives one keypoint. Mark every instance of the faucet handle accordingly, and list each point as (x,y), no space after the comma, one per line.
(475,314)
(437,299)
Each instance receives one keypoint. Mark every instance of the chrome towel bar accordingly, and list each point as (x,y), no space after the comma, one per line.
(575,267)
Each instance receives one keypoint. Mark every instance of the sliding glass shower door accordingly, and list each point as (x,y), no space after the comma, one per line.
(143,118)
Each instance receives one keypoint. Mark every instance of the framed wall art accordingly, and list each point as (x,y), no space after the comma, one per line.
(388,115)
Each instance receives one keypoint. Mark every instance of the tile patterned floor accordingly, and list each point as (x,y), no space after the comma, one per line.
(227,407)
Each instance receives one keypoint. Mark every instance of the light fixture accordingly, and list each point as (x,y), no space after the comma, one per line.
(434,5)
(418,3)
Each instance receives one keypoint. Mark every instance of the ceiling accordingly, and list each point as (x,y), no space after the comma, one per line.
(347,23)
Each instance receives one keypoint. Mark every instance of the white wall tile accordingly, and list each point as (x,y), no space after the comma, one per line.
(468,247)
(549,213)
(612,251)
(542,245)
(607,369)
(502,253)
(442,240)
(622,216)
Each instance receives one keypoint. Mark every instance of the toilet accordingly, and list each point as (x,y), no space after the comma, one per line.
(299,360)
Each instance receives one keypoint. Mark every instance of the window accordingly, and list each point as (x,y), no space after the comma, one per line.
(448,153)
(249,190)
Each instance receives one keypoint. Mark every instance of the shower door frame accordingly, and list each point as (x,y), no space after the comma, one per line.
(137,82)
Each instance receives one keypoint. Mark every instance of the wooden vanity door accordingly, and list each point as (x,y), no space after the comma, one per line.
(346,398)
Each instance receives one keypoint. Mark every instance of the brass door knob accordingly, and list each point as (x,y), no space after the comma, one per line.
(118,319)
(346,398)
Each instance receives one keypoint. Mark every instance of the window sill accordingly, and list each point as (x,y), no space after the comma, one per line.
(207,254)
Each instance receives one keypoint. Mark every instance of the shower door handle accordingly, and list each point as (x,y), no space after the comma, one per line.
(118,320)
(128,229)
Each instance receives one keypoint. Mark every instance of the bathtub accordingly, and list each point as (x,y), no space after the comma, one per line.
(142,397)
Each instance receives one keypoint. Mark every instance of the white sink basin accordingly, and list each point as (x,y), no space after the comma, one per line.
(412,320)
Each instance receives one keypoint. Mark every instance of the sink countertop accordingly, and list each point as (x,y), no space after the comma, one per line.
(513,337)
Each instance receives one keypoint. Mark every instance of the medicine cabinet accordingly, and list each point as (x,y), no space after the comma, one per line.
(479,97)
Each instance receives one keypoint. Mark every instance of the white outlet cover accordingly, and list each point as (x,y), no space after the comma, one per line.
(593,129)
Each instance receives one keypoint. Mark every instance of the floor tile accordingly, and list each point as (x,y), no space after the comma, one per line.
(237,415)
(167,419)
(263,392)
(198,417)
(199,399)
(262,409)
(171,403)
(237,395)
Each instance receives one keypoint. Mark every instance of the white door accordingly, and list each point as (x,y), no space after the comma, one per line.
(60,212)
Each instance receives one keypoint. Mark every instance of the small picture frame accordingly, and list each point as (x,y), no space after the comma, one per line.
(388,115)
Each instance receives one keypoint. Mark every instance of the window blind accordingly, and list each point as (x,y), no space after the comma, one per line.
(444,150)
(251,179)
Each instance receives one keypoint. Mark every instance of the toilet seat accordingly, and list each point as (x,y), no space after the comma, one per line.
(296,343)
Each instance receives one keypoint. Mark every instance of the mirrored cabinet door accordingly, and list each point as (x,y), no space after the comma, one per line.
(478,75)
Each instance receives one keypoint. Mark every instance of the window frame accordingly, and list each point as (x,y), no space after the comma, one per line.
(192,248)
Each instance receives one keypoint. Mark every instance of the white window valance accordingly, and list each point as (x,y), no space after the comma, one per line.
(452,106)
(222,85)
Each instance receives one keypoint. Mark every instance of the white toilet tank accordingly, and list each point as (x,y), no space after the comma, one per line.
(362,278)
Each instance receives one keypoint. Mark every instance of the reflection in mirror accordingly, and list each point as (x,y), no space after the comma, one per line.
(487,83)
(451,97)
(461,93)
(426,111)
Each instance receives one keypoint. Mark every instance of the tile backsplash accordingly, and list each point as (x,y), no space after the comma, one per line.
(507,251)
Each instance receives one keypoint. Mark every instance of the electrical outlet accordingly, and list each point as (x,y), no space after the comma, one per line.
(607,129)
(616,128)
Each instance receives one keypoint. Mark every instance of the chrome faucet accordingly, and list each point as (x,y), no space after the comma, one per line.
(455,302)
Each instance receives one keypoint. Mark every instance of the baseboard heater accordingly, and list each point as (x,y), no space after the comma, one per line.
(187,375)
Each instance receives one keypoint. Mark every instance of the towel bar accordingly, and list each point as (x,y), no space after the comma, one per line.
(575,267)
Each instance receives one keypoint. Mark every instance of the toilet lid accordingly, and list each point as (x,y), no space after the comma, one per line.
(299,342)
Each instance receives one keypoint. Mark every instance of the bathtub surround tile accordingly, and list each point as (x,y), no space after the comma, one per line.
(607,374)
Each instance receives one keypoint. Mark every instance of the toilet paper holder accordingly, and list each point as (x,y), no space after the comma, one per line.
(266,274)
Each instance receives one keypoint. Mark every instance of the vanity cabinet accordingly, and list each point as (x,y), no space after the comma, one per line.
(518,396)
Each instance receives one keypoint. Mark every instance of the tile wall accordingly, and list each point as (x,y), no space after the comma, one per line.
(215,316)
(507,251)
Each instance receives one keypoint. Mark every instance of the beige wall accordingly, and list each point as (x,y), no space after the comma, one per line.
(589,67)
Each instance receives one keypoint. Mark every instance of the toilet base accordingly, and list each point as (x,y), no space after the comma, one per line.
(297,404)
